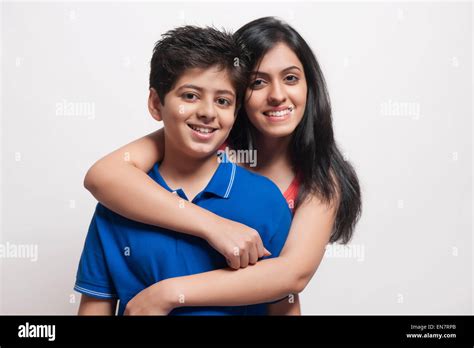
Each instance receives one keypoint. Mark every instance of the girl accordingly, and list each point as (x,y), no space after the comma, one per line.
(286,118)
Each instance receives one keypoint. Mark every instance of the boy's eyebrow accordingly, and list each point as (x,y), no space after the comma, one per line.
(200,89)
(283,71)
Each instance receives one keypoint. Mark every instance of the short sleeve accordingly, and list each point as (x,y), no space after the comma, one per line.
(93,277)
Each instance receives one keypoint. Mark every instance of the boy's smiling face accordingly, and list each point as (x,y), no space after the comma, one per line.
(198,112)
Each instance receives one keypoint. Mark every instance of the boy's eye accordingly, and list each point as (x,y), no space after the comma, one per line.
(189,96)
(291,78)
(224,102)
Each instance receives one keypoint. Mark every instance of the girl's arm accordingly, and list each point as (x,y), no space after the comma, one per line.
(119,181)
(268,280)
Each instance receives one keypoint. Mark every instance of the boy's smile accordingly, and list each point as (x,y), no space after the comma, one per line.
(198,112)
(202,132)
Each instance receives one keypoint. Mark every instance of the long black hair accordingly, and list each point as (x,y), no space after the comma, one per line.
(316,159)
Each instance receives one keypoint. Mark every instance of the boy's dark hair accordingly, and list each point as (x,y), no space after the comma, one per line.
(190,47)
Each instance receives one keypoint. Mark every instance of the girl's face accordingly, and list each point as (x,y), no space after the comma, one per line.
(276,97)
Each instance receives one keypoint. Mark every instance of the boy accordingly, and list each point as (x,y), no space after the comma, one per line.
(194,89)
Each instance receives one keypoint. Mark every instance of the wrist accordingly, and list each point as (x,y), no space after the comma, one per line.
(209,226)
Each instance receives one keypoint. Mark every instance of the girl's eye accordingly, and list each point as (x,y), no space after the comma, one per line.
(257,83)
(291,78)
(189,96)
(224,102)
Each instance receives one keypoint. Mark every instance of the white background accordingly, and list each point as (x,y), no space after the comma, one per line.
(415,167)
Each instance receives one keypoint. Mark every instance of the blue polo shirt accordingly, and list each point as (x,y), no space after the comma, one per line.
(121,257)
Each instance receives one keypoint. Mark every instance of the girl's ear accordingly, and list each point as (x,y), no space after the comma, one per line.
(154,105)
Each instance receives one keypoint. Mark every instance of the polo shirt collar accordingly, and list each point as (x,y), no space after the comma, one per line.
(223,179)
(221,182)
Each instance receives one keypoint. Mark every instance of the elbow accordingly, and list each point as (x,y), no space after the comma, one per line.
(297,275)
(91,180)
(299,283)
(298,286)
(89,184)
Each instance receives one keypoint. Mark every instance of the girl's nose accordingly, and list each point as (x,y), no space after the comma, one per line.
(276,94)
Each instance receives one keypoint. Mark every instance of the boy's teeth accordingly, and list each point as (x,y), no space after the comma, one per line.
(202,130)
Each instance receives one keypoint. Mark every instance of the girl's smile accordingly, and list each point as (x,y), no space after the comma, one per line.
(279,114)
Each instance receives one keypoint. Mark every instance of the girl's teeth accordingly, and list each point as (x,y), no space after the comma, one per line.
(279,113)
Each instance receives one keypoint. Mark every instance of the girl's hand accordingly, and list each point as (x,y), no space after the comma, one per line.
(150,301)
(239,244)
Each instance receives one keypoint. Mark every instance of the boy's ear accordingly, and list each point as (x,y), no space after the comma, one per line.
(154,105)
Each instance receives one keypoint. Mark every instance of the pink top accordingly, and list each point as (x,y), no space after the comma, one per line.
(291,192)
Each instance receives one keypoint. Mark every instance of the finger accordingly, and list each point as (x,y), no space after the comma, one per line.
(267,253)
(260,248)
(233,264)
(253,255)
(234,259)
(244,259)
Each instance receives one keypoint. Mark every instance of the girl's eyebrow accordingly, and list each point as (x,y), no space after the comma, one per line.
(291,68)
(262,73)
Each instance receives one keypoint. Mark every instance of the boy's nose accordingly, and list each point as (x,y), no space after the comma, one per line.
(206,110)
